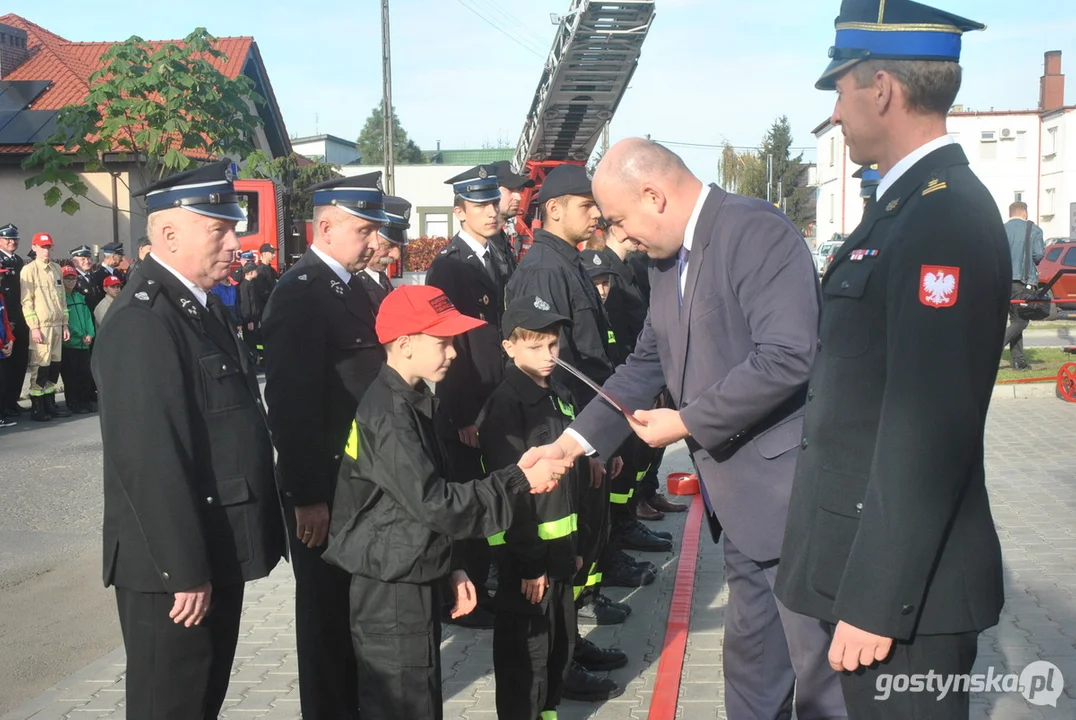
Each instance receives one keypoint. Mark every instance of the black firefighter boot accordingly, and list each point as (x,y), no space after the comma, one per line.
(53,409)
(38,413)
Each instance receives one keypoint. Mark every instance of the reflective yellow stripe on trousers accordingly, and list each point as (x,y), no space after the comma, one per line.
(594,578)
(552,530)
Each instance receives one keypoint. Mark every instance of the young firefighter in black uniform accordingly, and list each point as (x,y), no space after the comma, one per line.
(468,272)
(250,309)
(534,635)
(391,239)
(397,516)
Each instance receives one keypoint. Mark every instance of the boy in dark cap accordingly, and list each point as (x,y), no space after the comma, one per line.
(397,517)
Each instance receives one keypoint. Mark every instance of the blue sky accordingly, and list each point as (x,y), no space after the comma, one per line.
(711,70)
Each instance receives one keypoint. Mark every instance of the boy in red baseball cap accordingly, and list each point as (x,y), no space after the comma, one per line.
(395,515)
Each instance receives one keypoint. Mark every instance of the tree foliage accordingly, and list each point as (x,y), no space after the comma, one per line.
(748,173)
(371,142)
(296,176)
(156,106)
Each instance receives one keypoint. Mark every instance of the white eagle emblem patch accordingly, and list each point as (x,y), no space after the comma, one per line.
(939,286)
(541,304)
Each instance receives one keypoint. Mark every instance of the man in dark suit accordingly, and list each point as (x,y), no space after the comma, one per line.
(111,258)
(14,367)
(731,332)
(191,507)
(890,539)
(321,354)
(391,239)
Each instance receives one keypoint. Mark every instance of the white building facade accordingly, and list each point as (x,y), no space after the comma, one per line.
(327,148)
(424,187)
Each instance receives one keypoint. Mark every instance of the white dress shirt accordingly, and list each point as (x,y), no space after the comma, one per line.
(340,270)
(908,161)
(479,249)
(199,293)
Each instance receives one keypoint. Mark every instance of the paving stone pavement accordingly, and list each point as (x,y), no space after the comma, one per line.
(1031,466)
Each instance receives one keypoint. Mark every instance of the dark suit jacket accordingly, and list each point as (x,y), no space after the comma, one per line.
(188,464)
(890,527)
(736,360)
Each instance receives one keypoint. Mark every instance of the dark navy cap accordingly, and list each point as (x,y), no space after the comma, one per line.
(267,248)
(530,312)
(206,190)
(246,255)
(477,185)
(399,214)
(9,232)
(82,251)
(595,263)
(893,30)
(360,195)
(112,249)
(249,267)
(143,242)
(565,180)
(507,177)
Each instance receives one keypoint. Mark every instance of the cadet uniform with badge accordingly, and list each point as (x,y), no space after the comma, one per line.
(890,539)
(321,354)
(468,272)
(111,257)
(44,305)
(14,367)
(392,238)
(191,507)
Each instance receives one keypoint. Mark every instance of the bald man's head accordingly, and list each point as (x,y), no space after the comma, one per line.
(647,193)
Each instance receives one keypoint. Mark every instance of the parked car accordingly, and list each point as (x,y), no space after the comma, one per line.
(1060,256)
(824,253)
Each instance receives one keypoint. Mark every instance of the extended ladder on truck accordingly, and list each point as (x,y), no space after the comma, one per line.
(593,58)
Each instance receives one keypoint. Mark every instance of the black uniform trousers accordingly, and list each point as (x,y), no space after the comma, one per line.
(176,672)
(593,504)
(872,693)
(78,381)
(396,633)
(474,553)
(321,632)
(14,367)
(650,485)
(532,650)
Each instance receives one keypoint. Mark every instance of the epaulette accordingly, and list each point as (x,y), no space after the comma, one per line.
(936,183)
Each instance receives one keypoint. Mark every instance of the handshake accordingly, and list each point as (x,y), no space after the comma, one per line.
(544,466)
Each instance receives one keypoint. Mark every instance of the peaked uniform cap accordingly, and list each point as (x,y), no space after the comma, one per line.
(398,211)
(360,195)
(206,190)
(477,185)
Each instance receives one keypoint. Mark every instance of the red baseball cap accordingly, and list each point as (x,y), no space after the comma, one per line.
(414,309)
(69,271)
(110,281)
(42,240)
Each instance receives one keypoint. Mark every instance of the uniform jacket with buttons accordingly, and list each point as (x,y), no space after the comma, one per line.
(625,306)
(44,302)
(92,293)
(10,286)
(479,366)
(553,271)
(188,465)
(736,361)
(6,333)
(321,353)
(890,527)
(377,290)
(521,414)
(396,514)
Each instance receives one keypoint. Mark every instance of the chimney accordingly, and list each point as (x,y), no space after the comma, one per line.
(13,50)
(1052,91)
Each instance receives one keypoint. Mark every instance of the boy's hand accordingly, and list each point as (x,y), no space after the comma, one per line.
(469,436)
(37,336)
(578,563)
(597,471)
(6,350)
(87,340)
(616,466)
(67,335)
(534,590)
(466,598)
(545,474)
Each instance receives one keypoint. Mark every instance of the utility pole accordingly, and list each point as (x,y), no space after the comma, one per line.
(605,139)
(769,178)
(388,138)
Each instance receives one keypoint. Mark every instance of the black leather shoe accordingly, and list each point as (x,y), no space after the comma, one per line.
(602,611)
(13,411)
(596,659)
(663,534)
(588,687)
(53,409)
(635,536)
(478,619)
(623,572)
(646,564)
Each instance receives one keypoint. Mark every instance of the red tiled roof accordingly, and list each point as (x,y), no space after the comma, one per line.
(69,65)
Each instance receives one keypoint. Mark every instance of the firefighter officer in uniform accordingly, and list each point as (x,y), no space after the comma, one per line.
(469,273)
(391,240)
(890,540)
(82,261)
(321,353)
(111,258)
(192,511)
(14,367)
(511,185)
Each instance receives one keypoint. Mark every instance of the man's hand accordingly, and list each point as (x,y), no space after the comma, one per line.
(578,563)
(852,647)
(469,436)
(545,474)
(37,336)
(615,467)
(67,335)
(563,448)
(466,597)
(190,607)
(250,325)
(597,472)
(660,428)
(6,350)
(312,524)
(534,590)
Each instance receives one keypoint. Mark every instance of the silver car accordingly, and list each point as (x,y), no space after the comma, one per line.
(823,254)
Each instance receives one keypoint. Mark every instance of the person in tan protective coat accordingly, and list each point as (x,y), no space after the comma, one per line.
(45,309)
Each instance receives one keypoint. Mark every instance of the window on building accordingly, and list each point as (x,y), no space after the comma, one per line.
(1048,202)
(832,152)
(832,208)
(435,222)
(988,150)
(989,136)
(1021,144)
(1051,141)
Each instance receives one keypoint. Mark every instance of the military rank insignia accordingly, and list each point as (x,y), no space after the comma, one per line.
(337,287)
(189,307)
(934,186)
(859,254)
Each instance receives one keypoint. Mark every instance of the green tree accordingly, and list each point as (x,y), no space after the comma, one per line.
(371,142)
(295,176)
(156,107)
